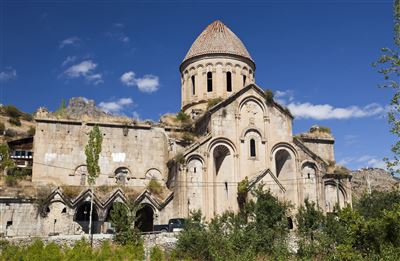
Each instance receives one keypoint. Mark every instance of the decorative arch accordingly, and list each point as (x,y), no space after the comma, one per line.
(122,175)
(331,195)
(252,129)
(254,99)
(154,173)
(284,145)
(81,171)
(195,156)
(222,140)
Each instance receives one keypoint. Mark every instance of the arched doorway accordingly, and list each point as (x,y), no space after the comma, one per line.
(82,218)
(145,218)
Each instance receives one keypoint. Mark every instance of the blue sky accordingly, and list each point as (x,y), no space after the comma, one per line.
(316,55)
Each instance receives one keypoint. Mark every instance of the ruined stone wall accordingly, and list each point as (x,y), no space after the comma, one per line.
(59,153)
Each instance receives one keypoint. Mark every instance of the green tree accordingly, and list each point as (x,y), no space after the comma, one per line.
(123,218)
(92,152)
(389,66)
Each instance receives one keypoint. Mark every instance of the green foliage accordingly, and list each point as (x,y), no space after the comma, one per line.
(372,205)
(182,117)
(188,137)
(389,66)
(61,110)
(123,218)
(5,161)
(269,96)
(14,121)
(12,111)
(81,251)
(179,158)
(212,102)
(262,232)
(92,152)
(156,254)
(11,181)
(19,172)
(242,190)
(31,131)
(2,128)
(155,187)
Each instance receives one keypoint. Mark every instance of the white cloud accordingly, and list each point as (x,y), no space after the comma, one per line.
(72,41)
(148,83)
(68,60)
(326,111)
(136,115)
(86,70)
(7,74)
(116,106)
(364,161)
(308,110)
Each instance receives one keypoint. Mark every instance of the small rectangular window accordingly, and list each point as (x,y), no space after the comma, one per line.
(244,80)
(193,86)
(209,82)
(228,81)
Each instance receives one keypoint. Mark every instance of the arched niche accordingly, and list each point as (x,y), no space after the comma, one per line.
(122,175)
(82,216)
(145,218)
(334,194)
(309,176)
(251,112)
(81,171)
(252,141)
(153,174)
(224,186)
(195,183)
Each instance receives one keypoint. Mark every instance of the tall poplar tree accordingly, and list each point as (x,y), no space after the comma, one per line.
(92,152)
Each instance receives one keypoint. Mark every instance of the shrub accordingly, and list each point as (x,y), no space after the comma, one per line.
(212,102)
(182,117)
(155,187)
(156,254)
(179,158)
(71,191)
(27,117)
(188,137)
(19,172)
(123,218)
(12,111)
(269,96)
(31,131)
(2,128)
(11,181)
(14,121)
(11,133)
(242,191)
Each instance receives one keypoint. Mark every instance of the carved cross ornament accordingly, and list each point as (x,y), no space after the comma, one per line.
(252,111)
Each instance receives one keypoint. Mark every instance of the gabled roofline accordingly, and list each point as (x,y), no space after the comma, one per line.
(241,92)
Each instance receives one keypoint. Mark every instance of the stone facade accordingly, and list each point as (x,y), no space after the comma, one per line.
(245,135)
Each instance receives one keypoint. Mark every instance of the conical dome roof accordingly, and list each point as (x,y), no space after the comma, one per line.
(217,38)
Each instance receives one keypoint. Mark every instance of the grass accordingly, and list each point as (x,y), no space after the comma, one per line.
(212,102)
(155,187)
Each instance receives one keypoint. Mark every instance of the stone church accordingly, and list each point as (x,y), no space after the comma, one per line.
(239,132)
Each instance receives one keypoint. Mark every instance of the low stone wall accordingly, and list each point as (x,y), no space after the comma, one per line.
(165,241)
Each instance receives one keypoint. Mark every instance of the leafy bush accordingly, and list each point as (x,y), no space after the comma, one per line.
(261,233)
(188,137)
(212,102)
(12,111)
(27,117)
(123,218)
(2,128)
(269,96)
(11,181)
(6,161)
(14,121)
(182,117)
(242,191)
(31,131)
(156,254)
(155,187)
(19,172)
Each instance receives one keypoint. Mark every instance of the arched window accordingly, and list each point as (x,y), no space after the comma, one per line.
(252,148)
(209,82)
(228,81)
(193,86)
(244,80)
